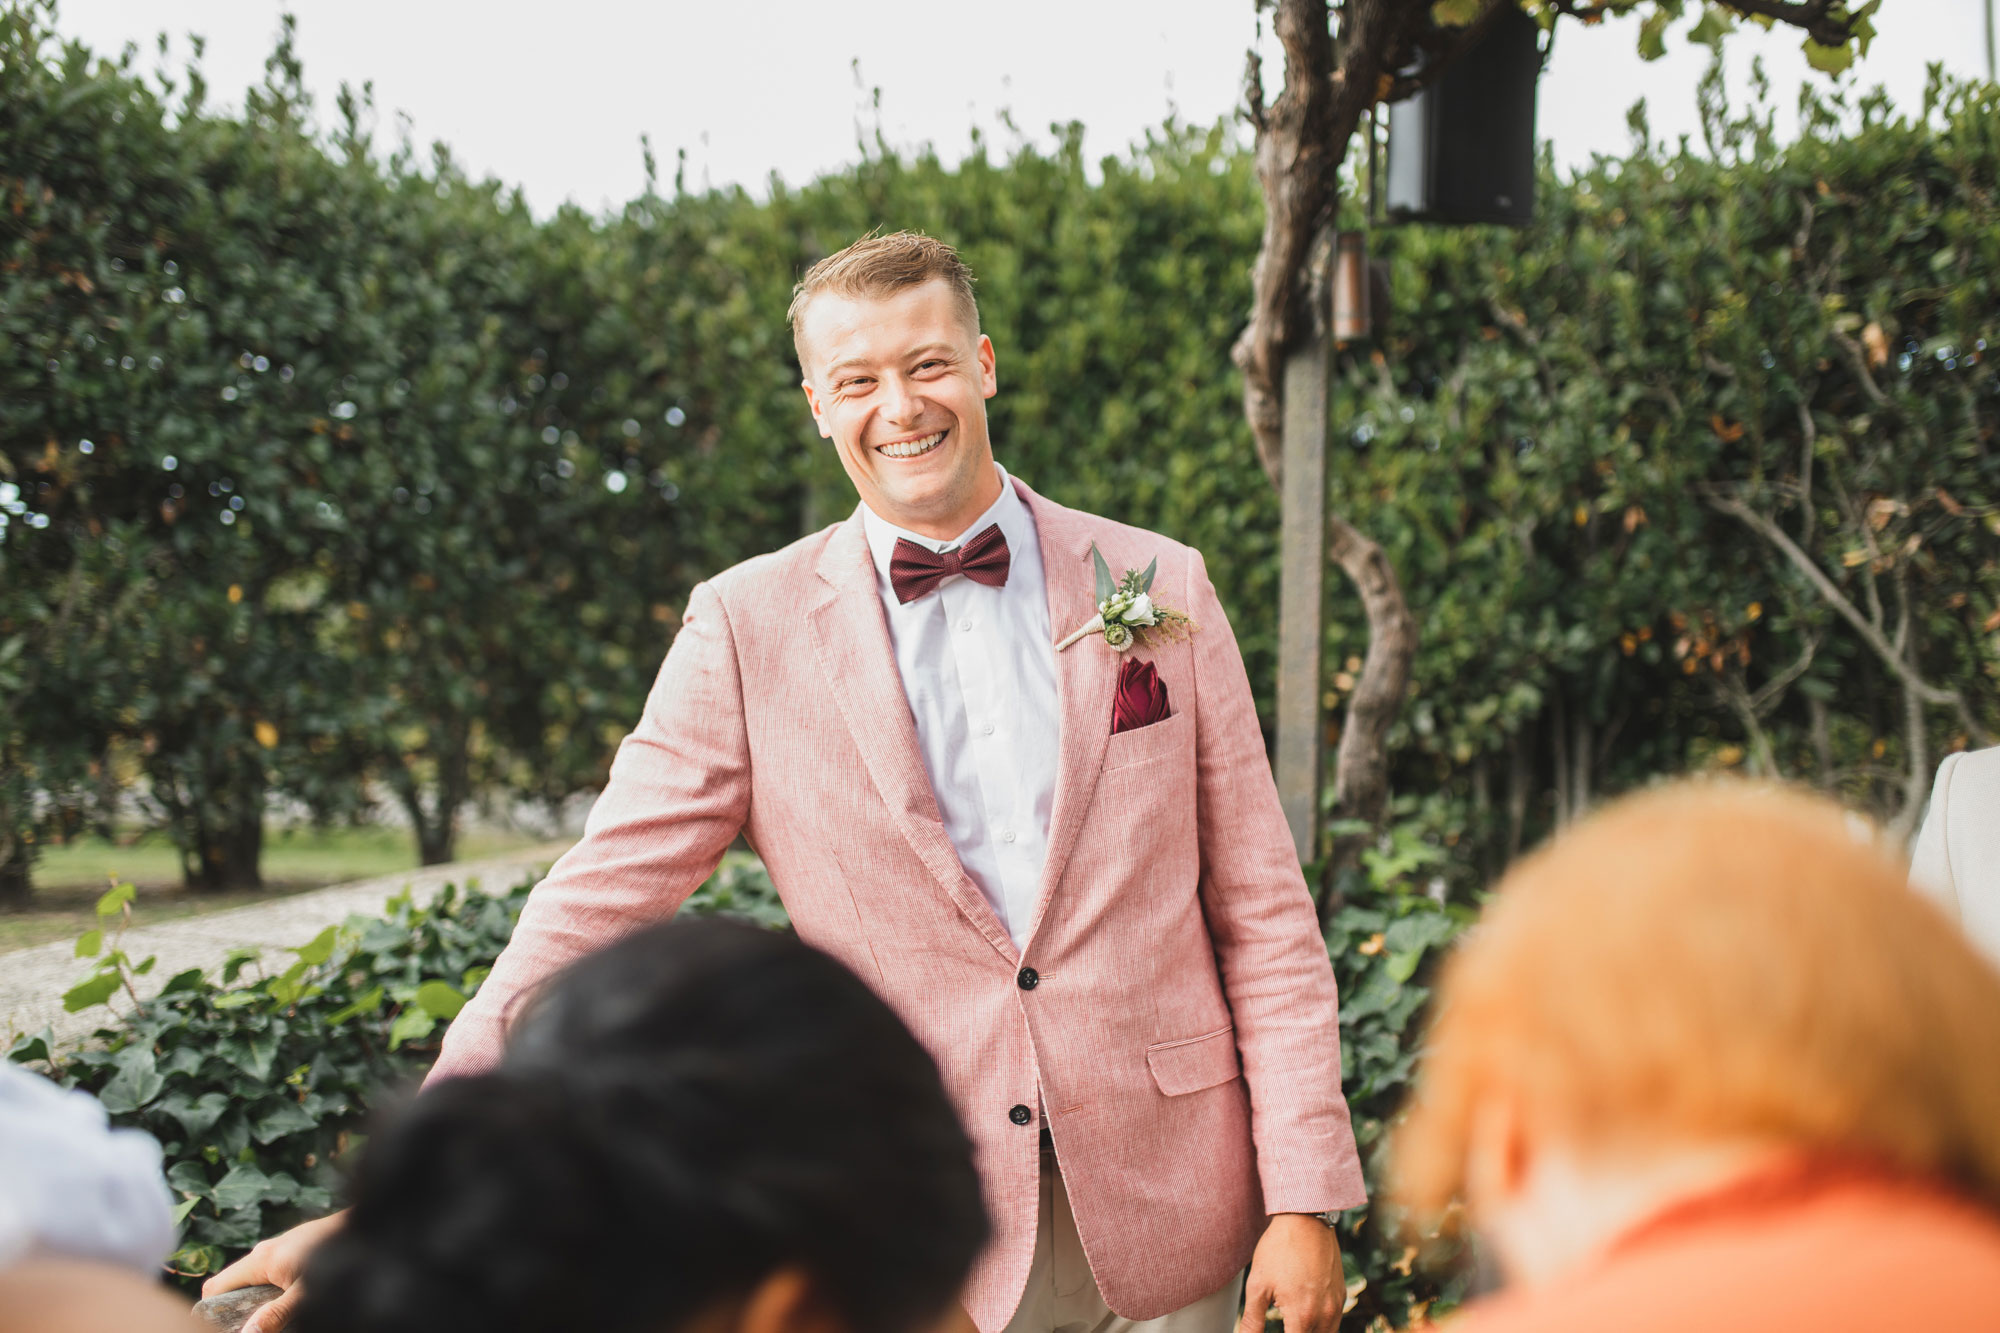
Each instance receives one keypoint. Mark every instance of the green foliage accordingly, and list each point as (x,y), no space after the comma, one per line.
(1548,440)
(1386,940)
(258,1085)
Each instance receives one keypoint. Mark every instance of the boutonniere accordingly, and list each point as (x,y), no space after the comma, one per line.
(1126,610)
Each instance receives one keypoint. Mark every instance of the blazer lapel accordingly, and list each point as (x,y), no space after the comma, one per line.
(1086,679)
(850,637)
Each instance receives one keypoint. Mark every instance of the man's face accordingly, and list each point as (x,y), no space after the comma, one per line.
(899,384)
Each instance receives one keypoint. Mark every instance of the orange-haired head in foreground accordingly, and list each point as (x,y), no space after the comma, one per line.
(1711,963)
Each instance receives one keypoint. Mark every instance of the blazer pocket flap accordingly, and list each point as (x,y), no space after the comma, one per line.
(1195,1063)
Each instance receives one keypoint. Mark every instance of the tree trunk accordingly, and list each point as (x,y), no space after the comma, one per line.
(227,854)
(1361,766)
(437,843)
(435,822)
(16,884)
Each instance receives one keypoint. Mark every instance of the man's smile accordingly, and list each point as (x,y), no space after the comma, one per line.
(915,448)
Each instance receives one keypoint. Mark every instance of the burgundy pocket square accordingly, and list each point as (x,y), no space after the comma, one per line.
(1141,699)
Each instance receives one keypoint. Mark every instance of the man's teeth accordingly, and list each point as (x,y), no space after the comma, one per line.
(911,448)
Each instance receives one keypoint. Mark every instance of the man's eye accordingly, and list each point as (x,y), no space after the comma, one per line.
(926,365)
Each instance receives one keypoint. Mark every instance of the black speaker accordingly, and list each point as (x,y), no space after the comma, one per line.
(1463,149)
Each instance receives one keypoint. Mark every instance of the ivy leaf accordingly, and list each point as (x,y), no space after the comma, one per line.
(440,1000)
(137,1081)
(40,1046)
(367,1004)
(94,990)
(1106,585)
(188,1177)
(413,1024)
(320,948)
(89,944)
(114,899)
(196,1116)
(251,1052)
(245,1184)
(239,1229)
(235,961)
(188,980)
(181,1060)
(286,1118)
(185,1207)
(287,987)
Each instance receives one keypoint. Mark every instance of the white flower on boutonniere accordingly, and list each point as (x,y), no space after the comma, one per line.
(1126,610)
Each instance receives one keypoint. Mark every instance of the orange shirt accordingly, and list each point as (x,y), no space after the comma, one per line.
(1827,1247)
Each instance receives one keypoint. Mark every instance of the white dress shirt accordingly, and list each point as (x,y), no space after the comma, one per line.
(979,669)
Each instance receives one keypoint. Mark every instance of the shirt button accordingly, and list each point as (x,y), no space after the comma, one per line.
(1020,1115)
(964,626)
(1027,978)
(986,730)
(1007,836)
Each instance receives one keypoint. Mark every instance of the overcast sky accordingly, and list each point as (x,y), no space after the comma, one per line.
(554,97)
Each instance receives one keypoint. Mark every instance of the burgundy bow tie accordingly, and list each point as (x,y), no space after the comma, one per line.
(914,570)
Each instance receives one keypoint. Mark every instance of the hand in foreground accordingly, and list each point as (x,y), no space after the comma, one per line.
(1296,1268)
(277,1262)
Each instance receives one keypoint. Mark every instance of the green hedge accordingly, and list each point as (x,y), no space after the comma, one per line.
(1551,435)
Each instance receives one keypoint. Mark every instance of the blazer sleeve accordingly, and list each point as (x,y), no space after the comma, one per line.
(678,794)
(1930,865)
(1268,946)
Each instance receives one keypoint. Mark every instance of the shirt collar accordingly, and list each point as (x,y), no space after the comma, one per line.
(1008,511)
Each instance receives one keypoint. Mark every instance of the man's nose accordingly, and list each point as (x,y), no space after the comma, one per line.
(899,402)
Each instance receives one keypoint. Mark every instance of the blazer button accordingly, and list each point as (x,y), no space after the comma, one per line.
(1020,1115)
(1027,978)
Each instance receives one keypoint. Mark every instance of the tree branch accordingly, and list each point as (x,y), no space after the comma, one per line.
(1871,634)
(1816,18)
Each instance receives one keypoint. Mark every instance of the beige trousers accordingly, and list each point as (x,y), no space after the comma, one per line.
(1062,1297)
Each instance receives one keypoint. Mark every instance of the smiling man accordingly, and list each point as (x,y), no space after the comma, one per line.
(1088,910)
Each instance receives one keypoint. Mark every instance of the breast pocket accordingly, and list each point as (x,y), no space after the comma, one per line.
(1167,736)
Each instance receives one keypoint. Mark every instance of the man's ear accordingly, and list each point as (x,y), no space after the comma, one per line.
(989,379)
(812,403)
(788,1301)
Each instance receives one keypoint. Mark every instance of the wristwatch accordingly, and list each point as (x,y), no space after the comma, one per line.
(1332,1220)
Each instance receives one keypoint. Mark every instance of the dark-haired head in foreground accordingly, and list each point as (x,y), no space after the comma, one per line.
(706,1125)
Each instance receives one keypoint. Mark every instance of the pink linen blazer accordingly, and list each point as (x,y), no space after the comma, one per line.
(1183,1034)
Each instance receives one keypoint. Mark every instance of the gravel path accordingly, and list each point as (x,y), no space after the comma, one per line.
(32,981)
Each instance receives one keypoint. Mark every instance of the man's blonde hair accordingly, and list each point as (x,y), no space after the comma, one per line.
(1713,961)
(878,266)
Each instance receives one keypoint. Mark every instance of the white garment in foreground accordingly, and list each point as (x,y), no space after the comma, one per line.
(1062,1297)
(979,669)
(73,1187)
(1957,852)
